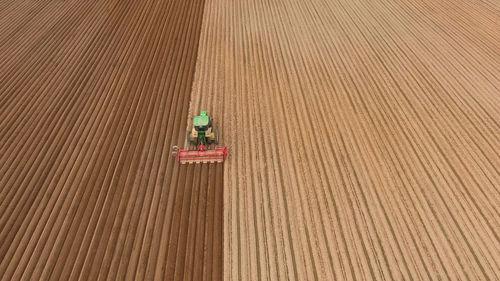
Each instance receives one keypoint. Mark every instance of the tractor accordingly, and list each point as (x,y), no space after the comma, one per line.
(202,132)
(202,143)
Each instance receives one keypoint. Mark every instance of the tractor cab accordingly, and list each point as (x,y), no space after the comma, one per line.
(202,122)
(202,132)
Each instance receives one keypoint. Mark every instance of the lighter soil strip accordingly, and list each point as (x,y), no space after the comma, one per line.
(364,137)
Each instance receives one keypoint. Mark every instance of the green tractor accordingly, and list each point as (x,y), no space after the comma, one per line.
(202,132)
(202,143)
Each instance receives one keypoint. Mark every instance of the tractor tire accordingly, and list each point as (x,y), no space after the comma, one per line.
(188,138)
(216,137)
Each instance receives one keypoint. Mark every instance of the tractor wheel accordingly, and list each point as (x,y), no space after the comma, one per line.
(188,138)
(216,137)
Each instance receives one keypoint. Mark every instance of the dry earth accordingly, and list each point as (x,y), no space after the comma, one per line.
(363,135)
(93,94)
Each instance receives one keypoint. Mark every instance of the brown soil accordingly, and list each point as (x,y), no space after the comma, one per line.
(93,94)
(364,137)
(364,140)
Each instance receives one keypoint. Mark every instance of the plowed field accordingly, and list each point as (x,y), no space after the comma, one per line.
(364,137)
(93,94)
(364,140)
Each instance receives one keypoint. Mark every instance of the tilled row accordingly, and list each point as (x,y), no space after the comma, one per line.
(93,95)
(364,137)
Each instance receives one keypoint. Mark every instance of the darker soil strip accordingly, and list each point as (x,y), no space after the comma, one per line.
(88,189)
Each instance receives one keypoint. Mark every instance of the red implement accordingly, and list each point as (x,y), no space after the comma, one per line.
(200,155)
